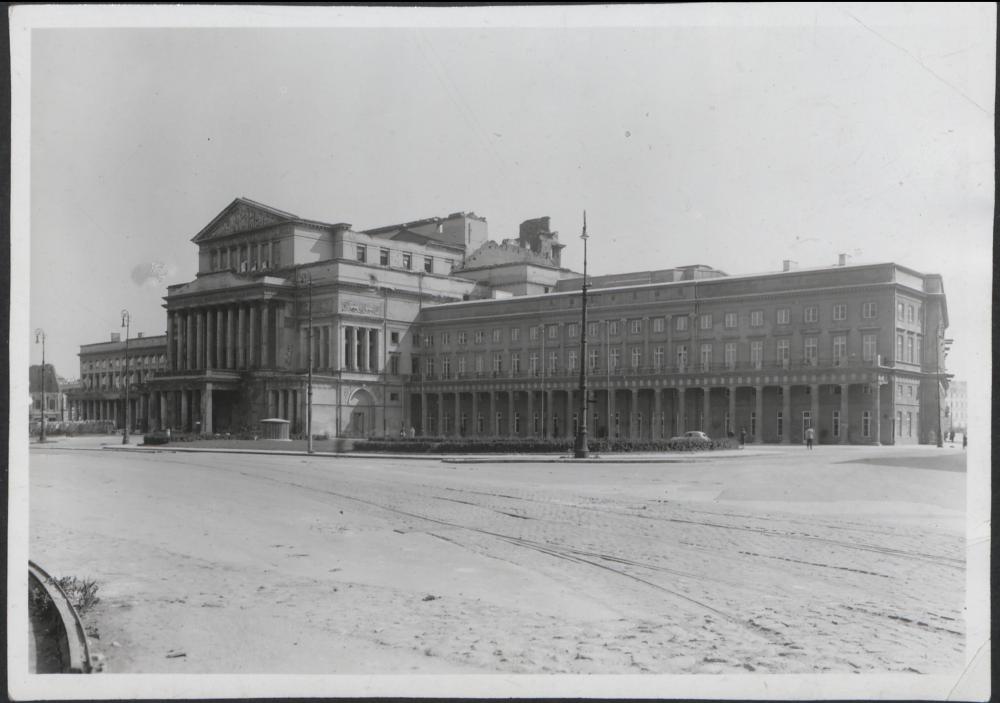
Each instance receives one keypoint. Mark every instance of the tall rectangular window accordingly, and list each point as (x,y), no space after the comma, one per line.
(572,331)
(836,424)
(480,336)
(784,316)
(757,318)
(571,360)
(479,364)
(706,321)
(362,253)
(446,367)
(730,352)
(614,358)
(497,335)
(657,324)
(757,354)
(515,334)
(461,366)
(383,257)
(869,310)
(869,347)
(658,357)
(899,347)
(900,312)
(810,351)
(594,358)
(731,320)
(407,261)
(682,356)
(533,363)
(681,323)
(636,357)
(909,349)
(840,312)
(783,351)
(533,333)
(866,423)
(753,424)
(706,357)
(810,314)
(613,328)
(840,349)
(593,329)
(553,362)
(515,362)
(428,264)
(553,331)
(497,362)
(462,339)
(635,326)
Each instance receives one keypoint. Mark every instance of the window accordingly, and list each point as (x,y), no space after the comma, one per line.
(810,314)
(682,356)
(658,357)
(515,363)
(407,261)
(497,335)
(840,350)
(909,424)
(899,423)
(730,355)
(705,321)
(753,424)
(636,357)
(572,331)
(479,364)
(783,352)
(480,336)
(909,349)
(394,337)
(869,347)
(635,326)
(706,356)
(446,367)
(533,333)
(515,334)
(479,423)
(462,339)
(757,318)
(553,332)
(428,340)
(840,312)
(614,359)
(383,257)
(394,364)
(497,362)
(731,320)
(593,329)
(784,316)
(445,338)
(594,358)
(757,354)
(571,361)
(909,313)
(613,328)
(900,312)
(810,351)
(899,347)
(553,362)
(658,324)
(869,310)
(681,323)
(362,253)
(461,366)
(429,367)
(428,264)
(866,423)
(836,423)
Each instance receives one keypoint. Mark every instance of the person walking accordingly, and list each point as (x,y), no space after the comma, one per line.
(810,437)
(965,440)
(743,436)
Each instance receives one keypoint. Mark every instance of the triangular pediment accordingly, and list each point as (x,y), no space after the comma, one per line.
(242,215)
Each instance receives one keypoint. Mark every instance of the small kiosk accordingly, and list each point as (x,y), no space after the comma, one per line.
(274,428)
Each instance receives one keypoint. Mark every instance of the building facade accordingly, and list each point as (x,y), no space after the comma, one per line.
(100,393)
(853,351)
(48,398)
(430,327)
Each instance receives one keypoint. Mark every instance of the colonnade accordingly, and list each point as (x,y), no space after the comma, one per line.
(840,412)
(236,336)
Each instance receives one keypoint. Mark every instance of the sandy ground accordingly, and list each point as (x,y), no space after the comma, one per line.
(840,560)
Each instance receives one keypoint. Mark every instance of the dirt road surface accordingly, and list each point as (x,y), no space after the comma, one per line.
(845,559)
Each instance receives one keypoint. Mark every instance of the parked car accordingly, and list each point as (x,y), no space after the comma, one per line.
(693,437)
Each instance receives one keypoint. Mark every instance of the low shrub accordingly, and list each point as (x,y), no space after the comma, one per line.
(537,445)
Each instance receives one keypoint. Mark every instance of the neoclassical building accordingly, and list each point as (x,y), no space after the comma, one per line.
(430,327)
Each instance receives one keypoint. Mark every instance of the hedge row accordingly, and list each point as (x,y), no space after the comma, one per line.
(74,427)
(450,445)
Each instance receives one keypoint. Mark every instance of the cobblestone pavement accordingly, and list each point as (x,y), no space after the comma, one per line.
(233,563)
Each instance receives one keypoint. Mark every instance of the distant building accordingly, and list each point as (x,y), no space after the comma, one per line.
(48,395)
(100,393)
(957,400)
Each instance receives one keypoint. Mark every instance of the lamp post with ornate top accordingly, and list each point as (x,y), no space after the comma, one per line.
(581,450)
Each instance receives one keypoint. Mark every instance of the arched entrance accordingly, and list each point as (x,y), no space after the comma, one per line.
(361,415)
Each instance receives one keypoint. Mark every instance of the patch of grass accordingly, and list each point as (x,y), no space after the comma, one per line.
(82,595)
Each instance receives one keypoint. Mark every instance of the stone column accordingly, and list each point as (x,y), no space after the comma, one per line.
(191,339)
(423,414)
(549,415)
(612,408)
(265,336)
(206,409)
(171,338)
(252,312)
(681,411)
(529,427)
(758,437)
(786,414)
(656,424)
(876,428)
(230,339)
(474,430)
(510,413)
(210,319)
(457,429)
(732,411)
(814,408)
(844,395)
(184,411)
(241,327)
(706,412)
(440,414)
(352,344)
(491,421)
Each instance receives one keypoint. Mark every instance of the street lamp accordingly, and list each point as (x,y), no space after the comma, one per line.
(307,277)
(40,339)
(126,322)
(581,451)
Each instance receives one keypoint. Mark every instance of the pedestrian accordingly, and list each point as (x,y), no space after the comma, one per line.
(810,436)
(743,436)
(965,440)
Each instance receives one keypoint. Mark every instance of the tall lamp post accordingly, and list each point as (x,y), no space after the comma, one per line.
(937,380)
(307,277)
(40,339)
(126,323)
(581,451)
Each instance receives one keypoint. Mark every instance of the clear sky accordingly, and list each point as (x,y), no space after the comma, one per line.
(729,136)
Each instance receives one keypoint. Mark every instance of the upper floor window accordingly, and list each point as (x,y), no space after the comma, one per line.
(613,328)
(480,337)
(497,335)
(553,332)
(383,257)
(572,331)
(811,314)
(407,261)
(900,312)
(657,324)
(462,339)
(730,320)
(428,264)
(515,334)
(362,253)
(681,323)
(784,316)
(445,338)
(533,333)
(869,310)
(756,318)
(909,313)
(840,312)
(635,326)
(705,321)
(593,329)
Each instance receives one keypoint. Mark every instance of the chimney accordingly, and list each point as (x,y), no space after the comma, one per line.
(788,265)
(116,337)
(842,260)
